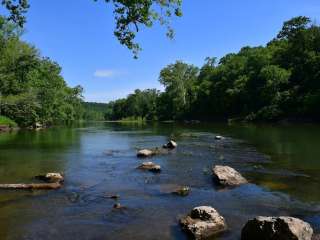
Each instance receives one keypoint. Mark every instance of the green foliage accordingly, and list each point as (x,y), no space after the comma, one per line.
(140,104)
(94,111)
(280,80)
(31,87)
(17,9)
(4,121)
(130,16)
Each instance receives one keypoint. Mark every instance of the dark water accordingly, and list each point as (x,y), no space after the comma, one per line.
(98,160)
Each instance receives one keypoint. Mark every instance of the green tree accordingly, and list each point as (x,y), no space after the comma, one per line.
(179,81)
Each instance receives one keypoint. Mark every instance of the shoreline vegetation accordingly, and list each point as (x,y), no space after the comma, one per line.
(276,83)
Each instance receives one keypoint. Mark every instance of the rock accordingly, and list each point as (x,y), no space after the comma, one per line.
(150,166)
(276,228)
(145,153)
(170,145)
(182,191)
(117,206)
(51,177)
(116,196)
(37,126)
(203,222)
(316,237)
(227,176)
(218,137)
(4,128)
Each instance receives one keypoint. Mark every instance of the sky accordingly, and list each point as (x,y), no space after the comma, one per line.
(78,34)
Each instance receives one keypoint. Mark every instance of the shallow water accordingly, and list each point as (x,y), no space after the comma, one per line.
(98,160)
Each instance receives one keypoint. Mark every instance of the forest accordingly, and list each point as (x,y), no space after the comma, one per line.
(32,89)
(266,83)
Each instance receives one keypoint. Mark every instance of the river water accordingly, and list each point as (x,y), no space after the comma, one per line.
(282,164)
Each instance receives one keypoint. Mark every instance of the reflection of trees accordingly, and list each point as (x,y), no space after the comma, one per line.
(28,153)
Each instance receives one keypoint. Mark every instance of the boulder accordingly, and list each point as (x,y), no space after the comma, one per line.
(276,228)
(170,145)
(203,222)
(150,166)
(51,177)
(227,176)
(145,153)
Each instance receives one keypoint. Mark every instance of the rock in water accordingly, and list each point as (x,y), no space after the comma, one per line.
(203,222)
(51,177)
(227,176)
(145,153)
(150,166)
(276,228)
(170,145)
(182,191)
(218,137)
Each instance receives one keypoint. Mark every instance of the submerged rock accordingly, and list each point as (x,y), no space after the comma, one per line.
(170,145)
(203,222)
(276,228)
(118,206)
(150,166)
(227,176)
(145,153)
(116,196)
(182,191)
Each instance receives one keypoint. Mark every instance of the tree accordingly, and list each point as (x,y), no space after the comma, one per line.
(179,81)
(267,83)
(130,16)
(31,86)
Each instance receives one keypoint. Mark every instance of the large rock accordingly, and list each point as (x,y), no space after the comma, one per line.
(170,145)
(203,222)
(276,228)
(145,153)
(227,176)
(150,166)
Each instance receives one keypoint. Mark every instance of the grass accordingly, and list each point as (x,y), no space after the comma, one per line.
(133,119)
(4,121)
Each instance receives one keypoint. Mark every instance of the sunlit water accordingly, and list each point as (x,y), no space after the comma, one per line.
(282,164)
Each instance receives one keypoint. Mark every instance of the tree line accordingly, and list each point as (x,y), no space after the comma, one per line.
(32,89)
(267,83)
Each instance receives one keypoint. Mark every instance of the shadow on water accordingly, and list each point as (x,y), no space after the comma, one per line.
(99,160)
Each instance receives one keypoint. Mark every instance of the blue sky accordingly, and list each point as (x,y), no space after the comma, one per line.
(78,34)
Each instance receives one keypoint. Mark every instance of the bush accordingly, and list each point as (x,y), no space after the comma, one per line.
(7,122)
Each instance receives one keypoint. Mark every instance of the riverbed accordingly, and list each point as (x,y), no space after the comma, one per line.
(98,160)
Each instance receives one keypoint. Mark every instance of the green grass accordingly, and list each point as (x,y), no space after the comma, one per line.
(133,119)
(7,122)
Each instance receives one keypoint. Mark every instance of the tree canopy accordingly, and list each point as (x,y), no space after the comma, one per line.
(267,83)
(31,86)
(130,16)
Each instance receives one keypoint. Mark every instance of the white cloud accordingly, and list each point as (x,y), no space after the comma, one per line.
(106,73)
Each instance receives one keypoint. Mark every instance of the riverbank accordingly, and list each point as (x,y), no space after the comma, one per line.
(7,125)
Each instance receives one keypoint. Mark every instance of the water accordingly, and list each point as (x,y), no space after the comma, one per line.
(281,162)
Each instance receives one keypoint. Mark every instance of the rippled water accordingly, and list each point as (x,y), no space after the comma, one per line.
(98,160)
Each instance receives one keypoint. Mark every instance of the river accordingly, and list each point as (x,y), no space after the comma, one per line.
(282,164)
